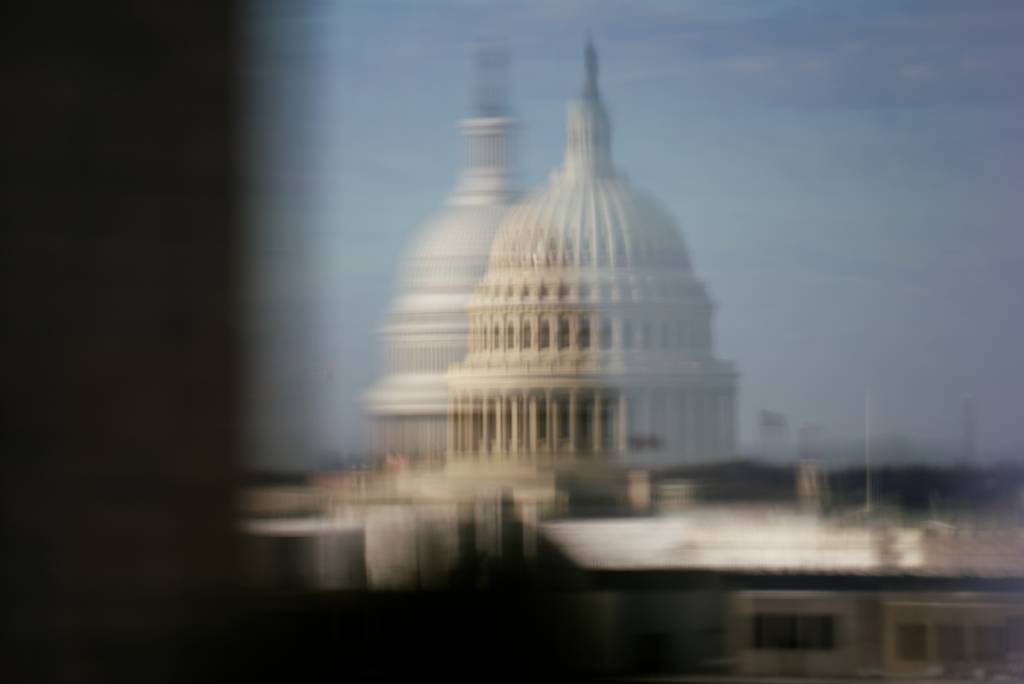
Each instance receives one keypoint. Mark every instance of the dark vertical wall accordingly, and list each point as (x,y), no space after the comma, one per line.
(118,344)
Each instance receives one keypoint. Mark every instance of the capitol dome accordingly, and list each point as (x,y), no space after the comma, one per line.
(427,328)
(590,334)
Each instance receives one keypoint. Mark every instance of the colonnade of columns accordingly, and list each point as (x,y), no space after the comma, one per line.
(538,421)
(583,423)
(582,330)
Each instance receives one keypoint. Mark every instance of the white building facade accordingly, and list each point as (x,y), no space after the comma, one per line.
(590,336)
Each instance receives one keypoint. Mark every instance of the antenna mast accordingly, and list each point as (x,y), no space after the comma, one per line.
(867,451)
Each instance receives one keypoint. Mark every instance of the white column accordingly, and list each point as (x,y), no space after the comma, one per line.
(554,436)
(479,443)
(485,428)
(499,423)
(524,422)
(457,415)
(524,419)
(459,444)
(549,407)
(533,423)
(451,426)
(514,419)
(467,424)
(572,421)
(473,436)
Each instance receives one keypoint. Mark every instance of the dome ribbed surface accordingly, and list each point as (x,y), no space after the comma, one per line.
(598,222)
(450,253)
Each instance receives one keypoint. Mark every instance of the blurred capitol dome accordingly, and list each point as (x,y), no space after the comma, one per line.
(590,334)
(427,328)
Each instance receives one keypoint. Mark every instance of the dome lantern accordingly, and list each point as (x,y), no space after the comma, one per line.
(488,137)
(490,93)
(588,131)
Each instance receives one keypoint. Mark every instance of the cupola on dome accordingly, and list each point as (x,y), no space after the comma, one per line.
(588,216)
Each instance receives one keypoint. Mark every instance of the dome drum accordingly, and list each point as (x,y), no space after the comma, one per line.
(558,425)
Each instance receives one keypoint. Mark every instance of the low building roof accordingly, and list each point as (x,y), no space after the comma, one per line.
(782,541)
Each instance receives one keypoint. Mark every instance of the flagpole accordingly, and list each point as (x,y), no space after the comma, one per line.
(867,451)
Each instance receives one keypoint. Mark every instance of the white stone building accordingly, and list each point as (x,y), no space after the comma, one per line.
(427,328)
(590,335)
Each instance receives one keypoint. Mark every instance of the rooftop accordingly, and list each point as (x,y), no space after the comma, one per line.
(768,540)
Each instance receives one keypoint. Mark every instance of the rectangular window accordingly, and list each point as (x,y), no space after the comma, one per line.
(607,425)
(563,419)
(773,631)
(816,632)
(1015,634)
(951,643)
(778,631)
(990,643)
(912,642)
(583,334)
(563,333)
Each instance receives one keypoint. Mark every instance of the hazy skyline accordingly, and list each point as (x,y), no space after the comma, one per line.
(845,175)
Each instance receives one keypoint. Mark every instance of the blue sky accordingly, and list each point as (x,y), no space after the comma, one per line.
(846,174)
